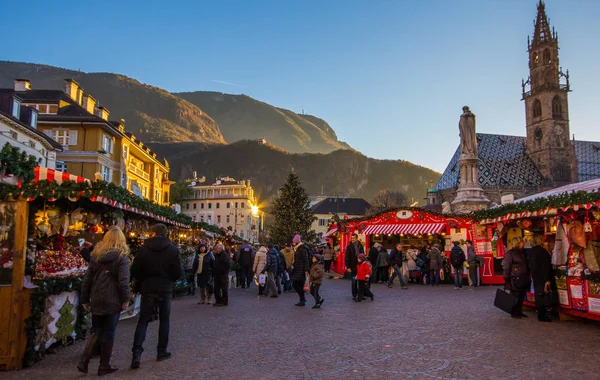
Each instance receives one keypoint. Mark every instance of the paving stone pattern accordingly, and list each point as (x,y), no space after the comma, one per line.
(419,333)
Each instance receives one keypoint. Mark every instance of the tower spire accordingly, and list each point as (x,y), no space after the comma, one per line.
(541,33)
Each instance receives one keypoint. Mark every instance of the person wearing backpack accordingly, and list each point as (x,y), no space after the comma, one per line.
(271,269)
(105,292)
(457,258)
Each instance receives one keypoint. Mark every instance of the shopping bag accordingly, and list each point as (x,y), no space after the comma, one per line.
(504,301)
(306,285)
(441,275)
(262,279)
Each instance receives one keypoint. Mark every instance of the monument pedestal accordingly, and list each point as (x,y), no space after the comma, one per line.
(469,196)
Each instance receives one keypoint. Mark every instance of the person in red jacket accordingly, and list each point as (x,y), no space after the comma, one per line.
(363,273)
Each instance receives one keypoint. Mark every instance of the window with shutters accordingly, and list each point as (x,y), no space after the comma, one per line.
(105,171)
(61,136)
(107,144)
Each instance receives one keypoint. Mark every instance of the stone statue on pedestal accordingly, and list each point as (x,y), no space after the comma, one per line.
(468,138)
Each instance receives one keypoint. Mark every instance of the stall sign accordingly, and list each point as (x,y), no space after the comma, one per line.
(593,290)
(578,294)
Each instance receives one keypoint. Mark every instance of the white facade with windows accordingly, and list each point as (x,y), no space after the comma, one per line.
(226,203)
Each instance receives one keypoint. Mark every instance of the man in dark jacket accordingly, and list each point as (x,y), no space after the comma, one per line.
(301,268)
(373,254)
(354,249)
(156,267)
(457,258)
(396,261)
(222,267)
(245,254)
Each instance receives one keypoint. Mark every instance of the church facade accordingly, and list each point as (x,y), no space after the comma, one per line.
(546,157)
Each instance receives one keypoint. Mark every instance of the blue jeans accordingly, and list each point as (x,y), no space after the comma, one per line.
(434,277)
(105,326)
(397,272)
(458,277)
(148,303)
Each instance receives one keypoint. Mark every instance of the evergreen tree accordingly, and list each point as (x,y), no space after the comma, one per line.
(292,212)
(64,324)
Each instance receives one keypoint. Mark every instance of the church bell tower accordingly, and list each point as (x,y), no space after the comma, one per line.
(546,107)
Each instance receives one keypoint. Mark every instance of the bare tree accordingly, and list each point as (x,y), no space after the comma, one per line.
(387,199)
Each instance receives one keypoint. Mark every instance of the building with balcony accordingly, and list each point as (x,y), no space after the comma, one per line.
(91,143)
(225,203)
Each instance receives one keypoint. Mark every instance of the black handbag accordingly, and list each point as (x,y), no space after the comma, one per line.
(505,301)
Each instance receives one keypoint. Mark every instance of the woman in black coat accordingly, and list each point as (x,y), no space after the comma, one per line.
(516,275)
(204,273)
(540,263)
(105,293)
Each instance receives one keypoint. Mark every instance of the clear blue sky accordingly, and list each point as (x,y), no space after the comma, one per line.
(390,77)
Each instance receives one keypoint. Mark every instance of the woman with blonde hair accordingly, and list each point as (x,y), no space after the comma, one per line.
(105,292)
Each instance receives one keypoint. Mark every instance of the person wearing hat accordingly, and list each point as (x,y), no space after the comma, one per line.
(316,280)
(156,267)
(363,273)
(300,269)
(435,264)
(204,267)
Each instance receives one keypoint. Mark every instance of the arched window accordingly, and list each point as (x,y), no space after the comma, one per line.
(537,108)
(547,56)
(556,108)
(536,57)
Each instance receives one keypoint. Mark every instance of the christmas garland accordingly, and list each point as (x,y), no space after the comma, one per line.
(17,163)
(33,324)
(75,190)
(396,209)
(553,202)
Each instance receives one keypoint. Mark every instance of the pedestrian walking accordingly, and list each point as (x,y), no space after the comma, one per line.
(222,267)
(271,269)
(542,274)
(383,264)
(280,278)
(473,262)
(288,253)
(372,257)
(363,272)
(316,280)
(260,260)
(245,254)
(156,267)
(457,259)
(396,261)
(328,257)
(300,269)
(354,249)
(516,275)
(204,267)
(435,264)
(105,292)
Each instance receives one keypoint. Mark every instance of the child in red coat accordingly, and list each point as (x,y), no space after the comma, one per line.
(363,273)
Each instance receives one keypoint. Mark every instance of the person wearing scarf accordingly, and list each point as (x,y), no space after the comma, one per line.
(204,266)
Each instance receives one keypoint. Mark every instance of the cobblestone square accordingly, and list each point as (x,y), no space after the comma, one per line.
(419,333)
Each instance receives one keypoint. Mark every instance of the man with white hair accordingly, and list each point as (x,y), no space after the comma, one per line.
(221,277)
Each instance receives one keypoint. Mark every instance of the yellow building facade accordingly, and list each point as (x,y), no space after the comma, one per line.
(93,145)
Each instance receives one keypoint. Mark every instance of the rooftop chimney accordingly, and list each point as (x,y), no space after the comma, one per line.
(22,85)
(72,89)
(102,112)
(89,103)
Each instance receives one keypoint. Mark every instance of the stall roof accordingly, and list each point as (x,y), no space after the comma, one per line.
(587,186)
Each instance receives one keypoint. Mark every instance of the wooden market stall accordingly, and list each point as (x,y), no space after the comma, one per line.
(41,233)
(411,227)
(568,217)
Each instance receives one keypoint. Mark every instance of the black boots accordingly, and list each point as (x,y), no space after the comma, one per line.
(105,353)
(135,361)
(88,351)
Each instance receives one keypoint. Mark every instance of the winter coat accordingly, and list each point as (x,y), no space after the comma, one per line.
(86,253)
(396,257)
(288,253)
(157,265)
(435,259)
(472,256)
(245,254)
(362,271)
(272,261)
(373,255)
(316,273)
(540,264)
(457,257)
(222,264)
(106,284)
(208,268)
(382,259)
(352,253)
(515,265)
(281,262)
(301,263)
(260,260)
(328,254)
(412,259)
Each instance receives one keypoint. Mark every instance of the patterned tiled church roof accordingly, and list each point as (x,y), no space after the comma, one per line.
(503,164)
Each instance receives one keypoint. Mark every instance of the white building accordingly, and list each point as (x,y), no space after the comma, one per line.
(18,127)
(225,203)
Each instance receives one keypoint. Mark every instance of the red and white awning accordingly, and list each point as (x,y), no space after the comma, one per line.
(53,175)
(329,233)
(397,229)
